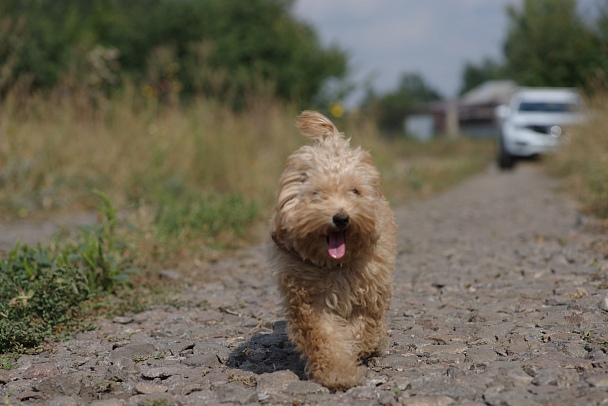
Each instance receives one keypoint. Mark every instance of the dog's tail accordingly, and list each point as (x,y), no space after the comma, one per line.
(316,126)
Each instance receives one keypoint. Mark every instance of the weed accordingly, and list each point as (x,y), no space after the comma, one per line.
(39,298)
(246,380)
(207,215)
(201,176)
(42,291)
(156,402)
(7,361)
(141,358)
(582,163)
(232,159)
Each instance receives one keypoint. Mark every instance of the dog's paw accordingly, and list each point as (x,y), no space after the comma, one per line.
(339,379)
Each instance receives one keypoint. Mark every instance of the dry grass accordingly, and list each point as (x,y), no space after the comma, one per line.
(413,169)
(56,148)
(582,163)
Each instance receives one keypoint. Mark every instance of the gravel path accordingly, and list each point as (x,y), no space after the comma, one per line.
(499,300)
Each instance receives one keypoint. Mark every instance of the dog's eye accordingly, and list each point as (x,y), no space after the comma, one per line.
(355,191)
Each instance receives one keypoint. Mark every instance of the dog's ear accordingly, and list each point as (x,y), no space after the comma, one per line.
(316,126)
(370,172)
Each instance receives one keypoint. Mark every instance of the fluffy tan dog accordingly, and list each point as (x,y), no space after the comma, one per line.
(333,252)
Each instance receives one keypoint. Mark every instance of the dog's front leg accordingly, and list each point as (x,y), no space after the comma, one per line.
(326,341)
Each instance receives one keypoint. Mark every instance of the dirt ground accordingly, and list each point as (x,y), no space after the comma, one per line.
(500,299)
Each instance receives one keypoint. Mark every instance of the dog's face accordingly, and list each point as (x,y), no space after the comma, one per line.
(328,202)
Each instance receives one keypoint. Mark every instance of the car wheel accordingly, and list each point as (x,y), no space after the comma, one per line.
(504,160)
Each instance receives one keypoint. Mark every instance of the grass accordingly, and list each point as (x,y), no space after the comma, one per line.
(582,163)
(191,175)
(49,292)
(181,183)
(582,167)
(54,150)
(412,169)
(43,289)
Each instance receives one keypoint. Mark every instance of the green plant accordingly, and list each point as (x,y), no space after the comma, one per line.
(582,163)
(240,44)
(39,298)
(141,358)
(42,289)
(7,361)
(206,216)
(156,402)
(99,252)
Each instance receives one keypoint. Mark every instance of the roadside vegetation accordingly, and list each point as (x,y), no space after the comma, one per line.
(582,163)
(181,182)
(44,289)
(176,134)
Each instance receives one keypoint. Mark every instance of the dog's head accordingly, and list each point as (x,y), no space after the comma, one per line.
(329,196)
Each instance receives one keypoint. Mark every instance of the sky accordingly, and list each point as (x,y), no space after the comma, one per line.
(387,38)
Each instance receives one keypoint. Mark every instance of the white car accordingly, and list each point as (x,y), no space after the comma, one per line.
(534,123)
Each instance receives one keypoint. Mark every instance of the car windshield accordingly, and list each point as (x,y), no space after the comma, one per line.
(547,107)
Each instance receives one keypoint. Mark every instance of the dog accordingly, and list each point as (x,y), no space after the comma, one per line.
(332,251)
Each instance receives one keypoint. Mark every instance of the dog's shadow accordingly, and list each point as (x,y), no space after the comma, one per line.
(266,353)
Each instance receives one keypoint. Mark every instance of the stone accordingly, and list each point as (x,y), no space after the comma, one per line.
(398,361)
(177,348)
(208,360)
(598,380)
(131,351)
(148,387)
(204,397)
(42,370)
(300,388)
(108,402)
(155,399)
(450,348)
(63,401)
(275,381)
(555,376)
(603,304)
(159,372)
(427,401)
(122,320)
(235,392)
(500,319)
(65,384)
(477,355)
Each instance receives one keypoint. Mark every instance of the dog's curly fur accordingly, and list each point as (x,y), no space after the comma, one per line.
(333,253)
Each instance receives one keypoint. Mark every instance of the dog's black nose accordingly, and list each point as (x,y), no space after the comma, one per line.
(340,220)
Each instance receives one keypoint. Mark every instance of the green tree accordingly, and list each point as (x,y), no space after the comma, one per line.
(548,44)
(474,75)
(226,48)
(392,107)
(600,29)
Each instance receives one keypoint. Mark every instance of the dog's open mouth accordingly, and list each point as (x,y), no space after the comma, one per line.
(336,244)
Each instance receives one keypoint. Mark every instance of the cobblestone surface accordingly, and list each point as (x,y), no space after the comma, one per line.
(500,299)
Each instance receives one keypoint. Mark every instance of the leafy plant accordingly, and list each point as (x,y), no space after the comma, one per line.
(582,163)
(39,297)
(99,253)
(207,216)
(162,45)
(42,289)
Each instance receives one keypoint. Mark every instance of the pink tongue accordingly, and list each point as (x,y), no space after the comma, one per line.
(336,246)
